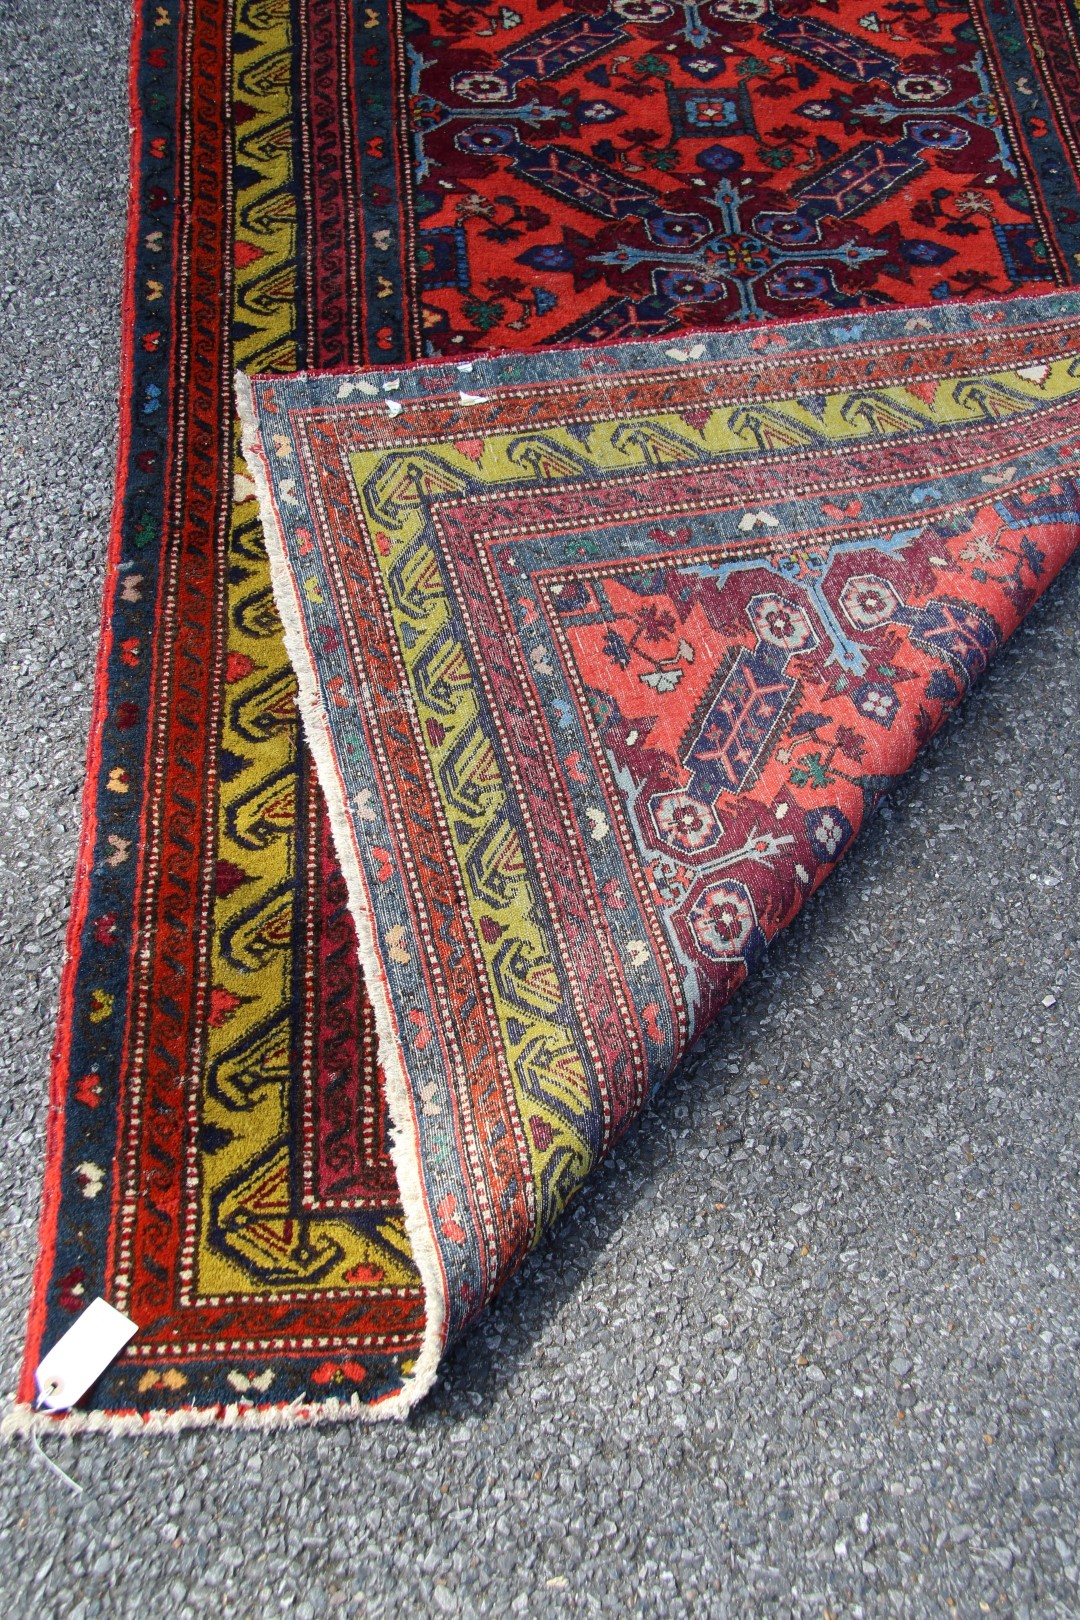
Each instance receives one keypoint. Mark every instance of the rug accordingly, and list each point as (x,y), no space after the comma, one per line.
(323,185)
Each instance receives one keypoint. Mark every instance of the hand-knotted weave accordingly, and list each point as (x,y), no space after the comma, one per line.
(328,184)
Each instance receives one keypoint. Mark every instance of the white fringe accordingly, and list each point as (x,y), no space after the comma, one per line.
(23,1419)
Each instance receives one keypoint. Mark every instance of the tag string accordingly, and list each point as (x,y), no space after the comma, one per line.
(53,1467)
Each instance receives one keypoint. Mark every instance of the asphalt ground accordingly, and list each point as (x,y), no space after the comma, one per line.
(806,1346)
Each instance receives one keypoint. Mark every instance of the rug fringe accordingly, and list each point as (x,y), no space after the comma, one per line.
(23,1420)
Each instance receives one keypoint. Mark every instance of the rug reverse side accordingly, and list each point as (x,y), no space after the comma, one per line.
(604,659)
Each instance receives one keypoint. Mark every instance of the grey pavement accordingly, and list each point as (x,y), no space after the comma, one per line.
(807,1346)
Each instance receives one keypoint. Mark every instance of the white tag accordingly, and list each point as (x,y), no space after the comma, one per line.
(82,1355)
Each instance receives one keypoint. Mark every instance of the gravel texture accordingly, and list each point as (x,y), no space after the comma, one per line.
(807,1345)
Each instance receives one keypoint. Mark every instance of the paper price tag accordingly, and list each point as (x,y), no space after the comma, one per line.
(86,1349)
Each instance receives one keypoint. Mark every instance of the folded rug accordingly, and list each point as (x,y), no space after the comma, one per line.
(317,184)
(604,658)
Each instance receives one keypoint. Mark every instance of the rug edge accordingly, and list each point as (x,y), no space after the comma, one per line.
(59,1057)
(404,1138)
